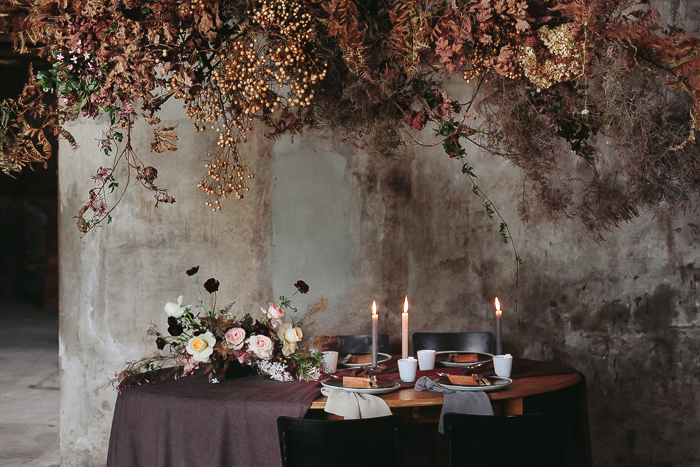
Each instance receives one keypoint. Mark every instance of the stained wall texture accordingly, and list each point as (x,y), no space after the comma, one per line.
(357,229)
(115,281)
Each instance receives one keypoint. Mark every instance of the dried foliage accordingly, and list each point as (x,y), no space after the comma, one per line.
(26,124)
(591,98)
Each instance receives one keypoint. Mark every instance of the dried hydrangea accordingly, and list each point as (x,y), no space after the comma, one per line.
(563,63)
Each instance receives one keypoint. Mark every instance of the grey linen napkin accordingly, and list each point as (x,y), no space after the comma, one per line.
(470,402)
(352,405)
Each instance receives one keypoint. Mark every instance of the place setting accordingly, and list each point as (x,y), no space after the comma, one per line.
(363,361)
(462,358)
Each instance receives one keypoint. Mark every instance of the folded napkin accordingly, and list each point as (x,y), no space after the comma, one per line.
(353,405)
(470,402)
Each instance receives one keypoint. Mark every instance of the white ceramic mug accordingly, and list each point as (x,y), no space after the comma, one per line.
(426,359)
(502,365)
(407,369)
(330,361)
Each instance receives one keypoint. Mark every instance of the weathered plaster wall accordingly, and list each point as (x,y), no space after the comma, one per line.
(357,228)
(114,282)
(625,314)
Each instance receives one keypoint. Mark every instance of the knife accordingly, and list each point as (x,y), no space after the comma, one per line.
(347,358)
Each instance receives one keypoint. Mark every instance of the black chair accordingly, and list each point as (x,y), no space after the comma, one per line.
(341,443)
(473,341)
(515,440)
(361,344)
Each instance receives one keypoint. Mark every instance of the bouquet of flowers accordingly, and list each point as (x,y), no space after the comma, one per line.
(222,344)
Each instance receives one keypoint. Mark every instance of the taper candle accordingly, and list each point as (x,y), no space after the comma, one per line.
(375,333)
(404,329)
(499,332)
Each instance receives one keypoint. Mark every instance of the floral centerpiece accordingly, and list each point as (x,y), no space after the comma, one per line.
(222,344)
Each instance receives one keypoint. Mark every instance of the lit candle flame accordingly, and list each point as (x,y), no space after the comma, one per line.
(374,307)
(498,305)
(405,305)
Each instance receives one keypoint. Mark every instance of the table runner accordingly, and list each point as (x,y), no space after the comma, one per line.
(235,422)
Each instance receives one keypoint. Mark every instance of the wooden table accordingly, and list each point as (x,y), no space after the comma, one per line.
(425,406)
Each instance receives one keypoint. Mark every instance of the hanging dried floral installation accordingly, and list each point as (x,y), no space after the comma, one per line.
(547,82)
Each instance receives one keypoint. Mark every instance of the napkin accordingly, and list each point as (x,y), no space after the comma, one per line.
(470,402)
(353,405)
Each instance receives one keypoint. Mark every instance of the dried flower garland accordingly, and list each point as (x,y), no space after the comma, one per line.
(546,78)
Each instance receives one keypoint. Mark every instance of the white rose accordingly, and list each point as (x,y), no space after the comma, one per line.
(293,335)
(176,309)
(282,330)
(288,349)
(289,337)
(201,346)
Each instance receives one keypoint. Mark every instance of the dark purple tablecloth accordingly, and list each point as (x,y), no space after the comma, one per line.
(190,422)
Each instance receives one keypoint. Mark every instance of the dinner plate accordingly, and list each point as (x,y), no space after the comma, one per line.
(497,383)
(384,386)
(442,358)
(381,358)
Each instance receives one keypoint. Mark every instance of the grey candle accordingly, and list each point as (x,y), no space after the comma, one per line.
(375,333)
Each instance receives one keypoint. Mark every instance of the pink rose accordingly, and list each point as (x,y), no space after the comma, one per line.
(261,346)
(275,312)
(235,337)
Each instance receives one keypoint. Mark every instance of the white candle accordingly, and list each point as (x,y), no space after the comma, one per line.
(499,341)
(375,333)
(404,329)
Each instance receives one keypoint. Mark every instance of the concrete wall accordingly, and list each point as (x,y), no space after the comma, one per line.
(114,282)
(357,228)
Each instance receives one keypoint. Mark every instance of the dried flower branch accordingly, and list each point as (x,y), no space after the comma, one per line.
(558,72)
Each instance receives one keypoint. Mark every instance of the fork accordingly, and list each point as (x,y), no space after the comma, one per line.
(483,381)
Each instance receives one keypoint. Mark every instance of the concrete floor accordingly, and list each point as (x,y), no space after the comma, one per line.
(29,399)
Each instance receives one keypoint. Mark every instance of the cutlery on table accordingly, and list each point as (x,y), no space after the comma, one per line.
(483,381)
(347,358)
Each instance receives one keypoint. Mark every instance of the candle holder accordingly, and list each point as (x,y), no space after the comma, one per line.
(371,370)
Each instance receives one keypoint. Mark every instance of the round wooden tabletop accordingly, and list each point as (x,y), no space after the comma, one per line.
(521,387)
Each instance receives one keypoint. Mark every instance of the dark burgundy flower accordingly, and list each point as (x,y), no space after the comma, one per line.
(262,329)
(211,285)
(174,327)
(160,343)
(192,271)
(248,324)
(302,286)
(292,367)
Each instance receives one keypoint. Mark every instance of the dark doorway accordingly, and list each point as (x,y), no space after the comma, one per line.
(28,209)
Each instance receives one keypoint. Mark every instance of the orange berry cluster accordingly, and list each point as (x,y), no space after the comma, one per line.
(254,76)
